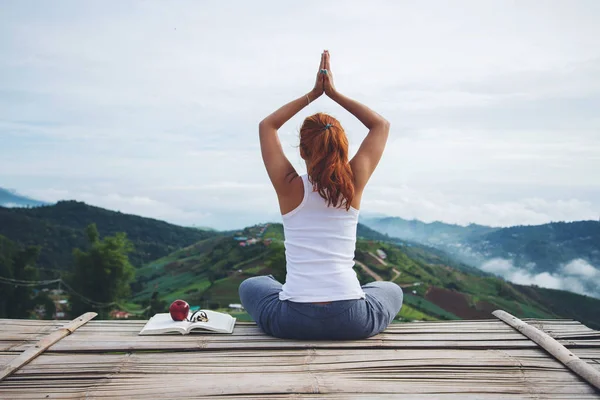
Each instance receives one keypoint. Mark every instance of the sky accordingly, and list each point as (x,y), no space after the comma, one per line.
(152,108)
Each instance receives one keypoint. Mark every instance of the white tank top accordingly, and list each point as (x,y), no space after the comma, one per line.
(319,250)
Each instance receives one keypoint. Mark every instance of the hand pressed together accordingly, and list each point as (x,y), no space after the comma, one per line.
(324,80)
(328,85)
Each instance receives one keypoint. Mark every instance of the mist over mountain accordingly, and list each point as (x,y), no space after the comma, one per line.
(433,233)
(10,198)
(558,255)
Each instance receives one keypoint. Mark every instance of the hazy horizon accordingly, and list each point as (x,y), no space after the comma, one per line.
(151,108)
(277,219)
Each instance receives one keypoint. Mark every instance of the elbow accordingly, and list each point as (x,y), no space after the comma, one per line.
(380,124)
(384,123)
(264,125)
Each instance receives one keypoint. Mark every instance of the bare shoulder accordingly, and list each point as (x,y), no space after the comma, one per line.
(293,196)
(359,187)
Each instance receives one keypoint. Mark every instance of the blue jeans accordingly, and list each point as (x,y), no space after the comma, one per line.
(337,320)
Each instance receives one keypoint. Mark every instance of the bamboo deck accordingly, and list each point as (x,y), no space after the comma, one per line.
(484,359)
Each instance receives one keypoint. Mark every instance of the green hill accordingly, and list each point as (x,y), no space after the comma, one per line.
(209,272)
(419,251)
(542,248)
(206,267)
(59,228)
(533,250)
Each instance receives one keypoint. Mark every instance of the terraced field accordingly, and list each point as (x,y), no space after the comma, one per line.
(209,272)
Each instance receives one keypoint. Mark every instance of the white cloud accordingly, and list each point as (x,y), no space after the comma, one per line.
(577,276)
(462,207)
(216,206)
(581,268)
(138,205)
(498,266)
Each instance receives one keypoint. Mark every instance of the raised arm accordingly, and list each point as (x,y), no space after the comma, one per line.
(280,170)
(366,159)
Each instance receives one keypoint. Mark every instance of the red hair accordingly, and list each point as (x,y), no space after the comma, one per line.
(324,146)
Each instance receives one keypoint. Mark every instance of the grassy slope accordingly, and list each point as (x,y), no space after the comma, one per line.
(433,289)
(59,228)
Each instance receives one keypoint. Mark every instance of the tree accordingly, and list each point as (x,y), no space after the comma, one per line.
(7,249)
(101,274)
(17,264)
(42,299)
(23,269)
(156,305)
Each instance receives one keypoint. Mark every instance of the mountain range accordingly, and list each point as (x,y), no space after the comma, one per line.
(209,272)
(206,267)
(563,254)
(58,229)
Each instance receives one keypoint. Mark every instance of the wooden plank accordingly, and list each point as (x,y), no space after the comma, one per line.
(19,335)
(255,384)
(205,342)
(103,336)
(44,343)
(437,336)
(561,353)
(480,360)
(400,328)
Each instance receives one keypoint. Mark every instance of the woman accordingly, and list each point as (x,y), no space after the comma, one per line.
(322,297)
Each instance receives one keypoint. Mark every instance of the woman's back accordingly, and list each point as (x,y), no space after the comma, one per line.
(319,247)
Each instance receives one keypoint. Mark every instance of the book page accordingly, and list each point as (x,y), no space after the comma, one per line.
(217,322)
(163,323)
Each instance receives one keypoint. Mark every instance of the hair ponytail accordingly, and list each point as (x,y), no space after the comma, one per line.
(324,146)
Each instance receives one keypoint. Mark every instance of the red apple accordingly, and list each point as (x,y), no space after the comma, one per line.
(179,310)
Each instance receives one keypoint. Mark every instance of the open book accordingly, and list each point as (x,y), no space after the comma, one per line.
(163,323)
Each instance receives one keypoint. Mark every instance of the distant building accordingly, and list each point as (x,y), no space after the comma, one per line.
(240,238)
(236,306)
(116,314)
(381,254)
(60,306)
(40,311)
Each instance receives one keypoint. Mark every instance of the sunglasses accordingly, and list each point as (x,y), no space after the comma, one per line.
(198,316)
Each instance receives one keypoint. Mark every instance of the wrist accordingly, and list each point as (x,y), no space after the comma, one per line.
(314,94)
(333,94)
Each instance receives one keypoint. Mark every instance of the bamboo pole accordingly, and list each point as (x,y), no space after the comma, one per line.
(557,350)
(44,343)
